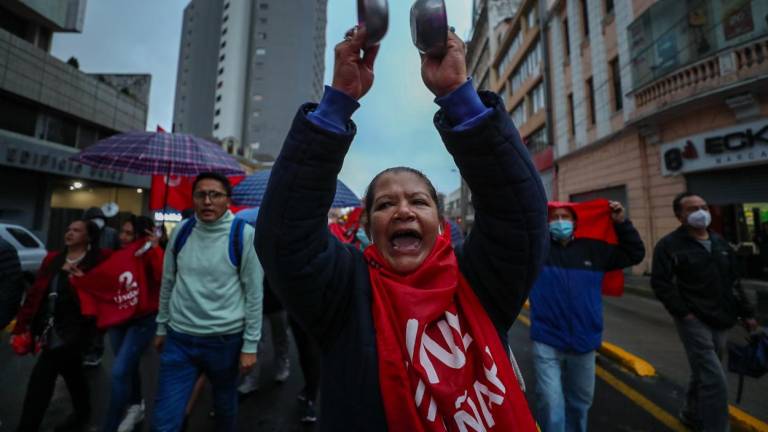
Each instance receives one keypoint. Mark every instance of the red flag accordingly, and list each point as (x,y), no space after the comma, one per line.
(179,192)
(160,129)
(121,287)
(593,220)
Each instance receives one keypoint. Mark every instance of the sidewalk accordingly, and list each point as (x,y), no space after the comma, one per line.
(756,290)
(638,323)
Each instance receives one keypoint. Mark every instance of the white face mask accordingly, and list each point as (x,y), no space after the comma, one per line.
(99,222)
(700,219)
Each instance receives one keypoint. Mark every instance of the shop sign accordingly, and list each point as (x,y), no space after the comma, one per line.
(19,152)
(741,145)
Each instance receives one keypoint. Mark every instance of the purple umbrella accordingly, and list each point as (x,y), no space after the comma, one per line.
(159,153)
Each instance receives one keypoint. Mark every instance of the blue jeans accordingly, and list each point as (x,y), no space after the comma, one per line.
(565,384)
(128,343)
(183,359)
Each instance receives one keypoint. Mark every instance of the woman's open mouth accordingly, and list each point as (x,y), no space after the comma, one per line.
(406,241)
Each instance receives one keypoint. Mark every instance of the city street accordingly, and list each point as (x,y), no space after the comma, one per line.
(623,402)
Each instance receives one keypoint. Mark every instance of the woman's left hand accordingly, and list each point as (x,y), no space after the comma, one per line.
(445,74)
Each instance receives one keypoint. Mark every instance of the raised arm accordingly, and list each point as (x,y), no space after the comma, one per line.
(305,265)
(504,252)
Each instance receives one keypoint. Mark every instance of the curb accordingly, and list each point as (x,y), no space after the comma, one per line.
(630,361)
(745,422)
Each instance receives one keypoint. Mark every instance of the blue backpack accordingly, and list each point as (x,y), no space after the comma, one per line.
(235,239)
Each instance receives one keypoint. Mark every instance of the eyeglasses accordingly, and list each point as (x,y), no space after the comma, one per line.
(212,195)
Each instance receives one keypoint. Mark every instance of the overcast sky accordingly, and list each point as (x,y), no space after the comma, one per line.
(395,119)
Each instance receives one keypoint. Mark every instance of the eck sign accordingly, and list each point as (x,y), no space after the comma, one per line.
(740,145)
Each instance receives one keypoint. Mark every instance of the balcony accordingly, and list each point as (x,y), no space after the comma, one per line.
(681,51)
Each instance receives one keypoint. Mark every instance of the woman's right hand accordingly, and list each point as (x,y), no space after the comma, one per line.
(353,72)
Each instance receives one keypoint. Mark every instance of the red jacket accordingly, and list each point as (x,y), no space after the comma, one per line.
(38,290)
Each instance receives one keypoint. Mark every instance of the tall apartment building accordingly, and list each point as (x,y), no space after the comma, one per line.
(506,54)
(653,98)
(245,66)
(49,110)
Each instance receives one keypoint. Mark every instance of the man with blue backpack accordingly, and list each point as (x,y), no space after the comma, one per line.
(210,313)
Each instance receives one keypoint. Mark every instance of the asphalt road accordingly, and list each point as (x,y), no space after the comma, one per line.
(623,402)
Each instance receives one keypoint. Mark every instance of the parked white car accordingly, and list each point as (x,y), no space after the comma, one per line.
(30,249)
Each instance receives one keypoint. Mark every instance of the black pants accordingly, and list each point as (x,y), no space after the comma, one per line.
(67,362)
(309,358)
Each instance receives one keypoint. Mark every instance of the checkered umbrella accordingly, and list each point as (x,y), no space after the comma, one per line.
(251,190)
(158,153)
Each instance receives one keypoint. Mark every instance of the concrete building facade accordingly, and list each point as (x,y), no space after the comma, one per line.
(49,110)
(653,98)
(268,59)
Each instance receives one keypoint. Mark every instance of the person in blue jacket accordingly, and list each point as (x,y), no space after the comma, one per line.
(327,286)
(567,315)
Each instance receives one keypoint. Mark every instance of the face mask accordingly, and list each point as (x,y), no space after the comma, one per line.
(99,222)
(561,229)
(700,219)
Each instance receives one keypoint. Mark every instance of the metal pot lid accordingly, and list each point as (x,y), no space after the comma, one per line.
(374,15)
(429,26)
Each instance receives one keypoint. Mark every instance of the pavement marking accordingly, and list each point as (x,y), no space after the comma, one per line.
(745,422)
(630,361)
(660,414)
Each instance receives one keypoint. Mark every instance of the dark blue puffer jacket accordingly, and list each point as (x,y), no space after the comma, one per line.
(325,285)
(566,302)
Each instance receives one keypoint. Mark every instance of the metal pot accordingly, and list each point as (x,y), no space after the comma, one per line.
(429,27)
(374,15)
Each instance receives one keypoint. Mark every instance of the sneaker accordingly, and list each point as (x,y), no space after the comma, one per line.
(133,416)
(283,371)
(91,360)
(308,412)
(249,385)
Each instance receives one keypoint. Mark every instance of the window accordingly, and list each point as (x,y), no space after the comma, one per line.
(538,98)
(225,19)
(263,6)
(216,126)
(537,141)
(223,32)
(226,5)
(591,100)
(261,51)
(223,44)
(566,38)
(519,115)
(263,20)
(221,83)
(609,7)
(221,57)
(218,111)
(218,98)
(221,71)
(571,122)
(23,238)
(529,67)
(618,97)
(517,42)
(503,94)
(256,113)
(531,17)
(261,35)
(584,18)
(258,98)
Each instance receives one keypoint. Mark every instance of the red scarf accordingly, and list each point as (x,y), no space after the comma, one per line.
(442,366)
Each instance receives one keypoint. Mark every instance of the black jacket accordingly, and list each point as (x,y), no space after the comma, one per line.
(11,283)
(325,285)
(688,279)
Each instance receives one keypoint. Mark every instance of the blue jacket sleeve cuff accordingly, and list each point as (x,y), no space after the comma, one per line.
(335,110)
(463,106)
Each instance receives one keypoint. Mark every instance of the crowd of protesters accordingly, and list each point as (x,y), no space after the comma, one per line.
(367,298)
